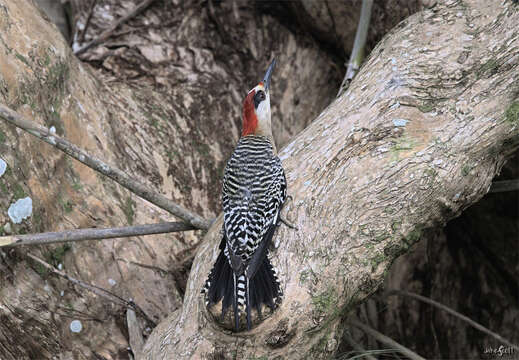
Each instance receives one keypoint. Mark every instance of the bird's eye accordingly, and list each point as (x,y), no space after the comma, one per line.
(259,97)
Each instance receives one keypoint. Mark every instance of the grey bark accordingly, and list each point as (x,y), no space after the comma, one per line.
(162,103)
(166,108)
(417,138)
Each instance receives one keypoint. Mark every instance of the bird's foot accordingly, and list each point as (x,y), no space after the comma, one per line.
(283,220)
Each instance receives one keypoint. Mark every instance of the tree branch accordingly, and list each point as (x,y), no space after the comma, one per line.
(356,346)
(357,54)
(95,289)
(454,313)
(385,161)
(113,173)
(93,234)
(87,21)
(385,340)
(504,186)
(108,32)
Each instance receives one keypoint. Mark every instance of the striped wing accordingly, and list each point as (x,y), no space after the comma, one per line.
(253,191)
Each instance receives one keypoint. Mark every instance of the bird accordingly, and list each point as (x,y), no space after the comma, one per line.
(254,191)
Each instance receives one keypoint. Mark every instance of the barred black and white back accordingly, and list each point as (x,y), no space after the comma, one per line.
(254,190)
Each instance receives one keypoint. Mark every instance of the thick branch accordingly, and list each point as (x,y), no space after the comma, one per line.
(113,173)
(418,137)
(93,234)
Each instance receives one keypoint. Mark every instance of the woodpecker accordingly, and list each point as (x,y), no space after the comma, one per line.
(254,190)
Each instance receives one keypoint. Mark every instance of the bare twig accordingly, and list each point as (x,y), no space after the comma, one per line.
(108,32)
(96,290)
(368,354)
(113,173)
(146,266)
(504,185)
(357,347)
(87,22)
(385,340)
(357,54)
(93,234)
(455,313)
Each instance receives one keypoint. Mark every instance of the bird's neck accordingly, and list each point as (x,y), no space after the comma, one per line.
(267,136)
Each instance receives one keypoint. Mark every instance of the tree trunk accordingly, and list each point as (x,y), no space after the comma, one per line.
(162,105)
(417,138)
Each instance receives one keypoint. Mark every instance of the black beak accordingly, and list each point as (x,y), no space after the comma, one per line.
(268,74)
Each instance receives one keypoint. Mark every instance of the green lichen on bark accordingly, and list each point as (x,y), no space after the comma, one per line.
(56,256)
(128,209)
(489,68)
(18,192)
(45,89)
(425,108)
(326,302)
(512,113)
(376,260)
(67,205)
(413,236)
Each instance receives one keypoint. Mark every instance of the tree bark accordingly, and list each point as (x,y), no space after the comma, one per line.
(162,102)
(418,137)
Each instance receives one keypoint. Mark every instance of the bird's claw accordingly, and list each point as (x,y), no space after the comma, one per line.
(283,220)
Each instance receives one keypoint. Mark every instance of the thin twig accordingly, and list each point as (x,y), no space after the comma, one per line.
(113,173)
(96,290)
(367,354)
(93,234)
(87,22)
(357,347)
(385,340)
(146,266)
(455,313)
(504,185)
(108,32)
(357,54)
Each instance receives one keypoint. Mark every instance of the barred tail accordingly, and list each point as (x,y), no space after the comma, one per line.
(263,288)
(241,292)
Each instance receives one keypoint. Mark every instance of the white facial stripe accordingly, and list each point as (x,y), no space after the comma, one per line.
(263,116)
(263,110)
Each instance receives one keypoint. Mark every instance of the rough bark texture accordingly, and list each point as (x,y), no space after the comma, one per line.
(417,138)
(164,107)
(470,266)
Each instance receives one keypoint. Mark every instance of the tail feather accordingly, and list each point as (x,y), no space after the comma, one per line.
(235,305)
(248,304)
(242,293)
(256,302)
(263,288)
(262,280)
(229,294)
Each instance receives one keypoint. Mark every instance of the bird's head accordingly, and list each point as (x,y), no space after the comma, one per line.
(256,107)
